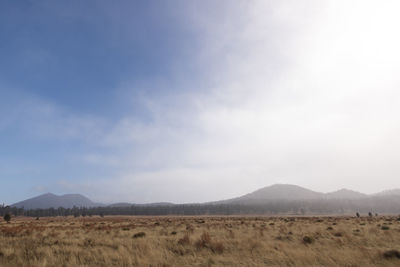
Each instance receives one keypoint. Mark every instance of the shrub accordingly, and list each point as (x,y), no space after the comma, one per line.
(7,217)
(217,247)
(190,228)
(391,254)
(385,227)
(307,240)
(88,242)
(204,241)
(185,240)
(140,234)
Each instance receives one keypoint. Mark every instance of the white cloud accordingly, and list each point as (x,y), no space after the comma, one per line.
(300,92)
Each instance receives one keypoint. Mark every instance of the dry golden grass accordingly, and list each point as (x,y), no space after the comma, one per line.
(200,241)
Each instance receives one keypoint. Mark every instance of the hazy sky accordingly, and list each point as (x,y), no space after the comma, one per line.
(186,101)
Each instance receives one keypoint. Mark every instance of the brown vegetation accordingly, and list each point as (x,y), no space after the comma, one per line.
(200,241)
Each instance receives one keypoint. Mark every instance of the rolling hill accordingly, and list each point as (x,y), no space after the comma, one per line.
(49,200)
(345,194)
(275,193)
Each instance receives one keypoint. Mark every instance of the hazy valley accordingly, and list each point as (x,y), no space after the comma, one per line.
(278,199)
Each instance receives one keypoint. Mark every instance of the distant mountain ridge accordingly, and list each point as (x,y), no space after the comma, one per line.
(391,192)
(268,194)
(283,191)
(50,200)
(345,194)
(277,192)
(288,192)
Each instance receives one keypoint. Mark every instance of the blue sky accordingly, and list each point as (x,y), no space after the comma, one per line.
(77,53)
(81,66)
(187,101)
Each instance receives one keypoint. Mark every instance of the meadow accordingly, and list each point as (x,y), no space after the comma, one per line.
(200,241)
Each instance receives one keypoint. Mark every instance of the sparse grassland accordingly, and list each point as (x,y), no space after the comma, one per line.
(200,241)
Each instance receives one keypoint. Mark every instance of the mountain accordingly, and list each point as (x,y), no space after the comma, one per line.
(277,197)
(49,200)
(385,193)
(288,192)
(345,194)
(282,191)
(277,192)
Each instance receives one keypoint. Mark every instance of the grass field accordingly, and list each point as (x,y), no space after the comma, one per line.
(200,241)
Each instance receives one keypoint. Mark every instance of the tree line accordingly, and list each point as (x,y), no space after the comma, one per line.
(270,208)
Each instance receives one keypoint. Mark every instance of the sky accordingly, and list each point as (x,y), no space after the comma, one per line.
(193,101)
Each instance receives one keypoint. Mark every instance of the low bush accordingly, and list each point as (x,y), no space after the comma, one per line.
(204,241)
(391,254)
(185,240)
(217,247)
(7,217)
(140,234)
(307,240)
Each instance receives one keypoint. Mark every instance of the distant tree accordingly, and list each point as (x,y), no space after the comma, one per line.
(358,214)
(370,214)
(7,217)
(302,211)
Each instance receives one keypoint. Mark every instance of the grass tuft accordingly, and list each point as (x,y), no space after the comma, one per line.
(140,234)
(308,240)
